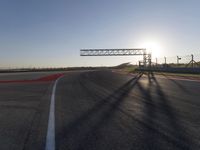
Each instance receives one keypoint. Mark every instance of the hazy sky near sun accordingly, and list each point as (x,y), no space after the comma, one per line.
(49,33)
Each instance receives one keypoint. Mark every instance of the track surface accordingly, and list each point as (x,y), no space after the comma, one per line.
(102,110)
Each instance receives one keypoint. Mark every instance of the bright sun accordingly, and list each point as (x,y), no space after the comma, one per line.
(154,48)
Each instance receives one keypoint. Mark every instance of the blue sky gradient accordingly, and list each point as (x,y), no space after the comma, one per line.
(50,33)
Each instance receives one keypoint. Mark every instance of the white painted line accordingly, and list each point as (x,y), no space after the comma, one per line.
(50,139)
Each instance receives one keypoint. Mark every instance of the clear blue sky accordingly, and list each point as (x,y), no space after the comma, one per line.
(49,33)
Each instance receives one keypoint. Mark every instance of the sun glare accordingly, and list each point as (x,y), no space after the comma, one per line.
(153,47)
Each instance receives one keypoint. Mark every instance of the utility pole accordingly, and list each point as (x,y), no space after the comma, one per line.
(178,58)
(156,62)
(192,61)
(165,60)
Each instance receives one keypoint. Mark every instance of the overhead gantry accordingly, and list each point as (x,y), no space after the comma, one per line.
(120,52)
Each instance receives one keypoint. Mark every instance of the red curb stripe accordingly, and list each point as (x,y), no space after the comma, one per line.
(42,79)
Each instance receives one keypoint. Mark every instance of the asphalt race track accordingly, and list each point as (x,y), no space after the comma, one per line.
(99,110)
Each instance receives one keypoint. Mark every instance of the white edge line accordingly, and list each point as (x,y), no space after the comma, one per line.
(50,138)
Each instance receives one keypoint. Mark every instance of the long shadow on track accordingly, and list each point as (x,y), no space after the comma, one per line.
(152,133)
(177,84)
(91,121)
(99,114)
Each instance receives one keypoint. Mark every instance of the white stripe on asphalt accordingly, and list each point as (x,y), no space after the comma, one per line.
(50,139)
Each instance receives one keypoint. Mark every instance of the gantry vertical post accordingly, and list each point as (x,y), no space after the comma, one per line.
(144,58)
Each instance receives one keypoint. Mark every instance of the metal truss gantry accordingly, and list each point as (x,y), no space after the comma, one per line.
(112,52)
(119,52)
